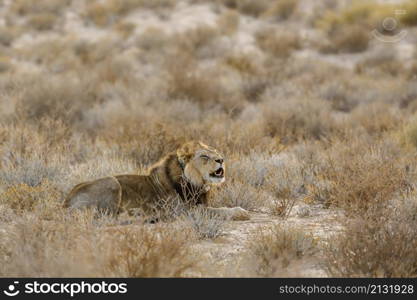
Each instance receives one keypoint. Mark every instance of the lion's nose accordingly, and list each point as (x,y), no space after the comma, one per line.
(220,161)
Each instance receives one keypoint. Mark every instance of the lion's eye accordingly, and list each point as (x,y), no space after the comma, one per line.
(204,157)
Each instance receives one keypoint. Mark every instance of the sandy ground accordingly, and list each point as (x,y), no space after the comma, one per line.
(228,254)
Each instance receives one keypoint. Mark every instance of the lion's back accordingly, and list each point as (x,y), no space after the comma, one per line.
(103,193)
(140,191)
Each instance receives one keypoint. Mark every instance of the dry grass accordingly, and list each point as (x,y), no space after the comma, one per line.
(23,197)
(349,29)
(349,39)
(288,119)
(107,12)
(238,194)
(229,22)
(278,43)
(252,8)
(282,9)
(365,13)
(274,250)
(242,63)
(152,252)
(410,18)
(381,244)
(384,61)
(57,249)
(8,34)
(361,177)
(205,224)
(42,21)
(187,82)
(5,64)
(126,29)
(27,7)
(277,9)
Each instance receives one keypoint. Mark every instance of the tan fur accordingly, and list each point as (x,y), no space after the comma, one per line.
(188,172)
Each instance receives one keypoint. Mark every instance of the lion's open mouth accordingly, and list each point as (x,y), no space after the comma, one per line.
(219,173)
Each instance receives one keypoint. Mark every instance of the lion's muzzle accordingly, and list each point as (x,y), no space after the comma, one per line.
(219,173)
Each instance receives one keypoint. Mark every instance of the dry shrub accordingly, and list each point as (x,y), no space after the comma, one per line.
(238,193)
(99,13)
(349,28)
(284,181)
(411,71)
(157,251)
(346,93)
(92,53)
(235,138)
(261,180)
(67,247)
(45,21)
(408,134)
(126,6)
(278,248)
(376,118)
(381,63)
(186,81)
(206,224)
(253,87)
(153,39)
(282,9)
(22,197)
(348,39)
(29,156)
(410,17)
(114,71)
(297,119)
(27,7)
(364,175)
(106,13)
(228,22)
(53,55)
(282,206)
(64,98)
(364,13)
(5,64)
(284,185)
(255,167)
(409,96)
(8,34)
(339,95)
(277,43)
(198,41)
(243,63)
(126,29)
(248,7)
(381,244)
(145,146)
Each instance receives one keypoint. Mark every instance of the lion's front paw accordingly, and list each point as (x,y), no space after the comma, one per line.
(240,214)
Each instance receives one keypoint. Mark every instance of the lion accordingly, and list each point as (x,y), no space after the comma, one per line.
(188,174)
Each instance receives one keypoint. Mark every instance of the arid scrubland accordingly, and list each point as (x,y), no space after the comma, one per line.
(315,114)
